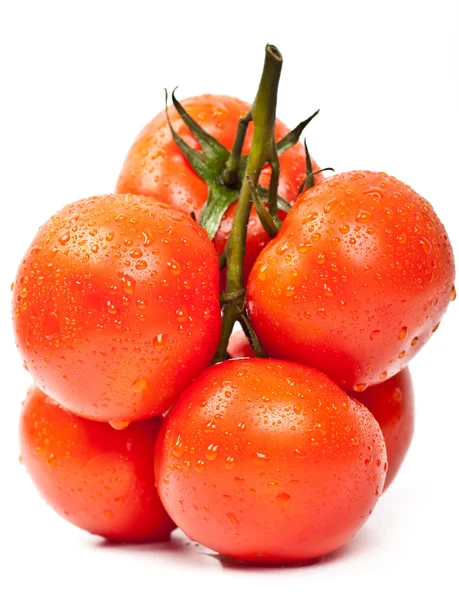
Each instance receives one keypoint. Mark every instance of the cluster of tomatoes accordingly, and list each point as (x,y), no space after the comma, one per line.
(117,314)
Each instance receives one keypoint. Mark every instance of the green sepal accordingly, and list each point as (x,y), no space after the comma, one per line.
(210,146)
(293,136)
(219,199)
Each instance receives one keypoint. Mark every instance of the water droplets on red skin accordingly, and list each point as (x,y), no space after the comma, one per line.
(89,322)
(385,256)
(249,449)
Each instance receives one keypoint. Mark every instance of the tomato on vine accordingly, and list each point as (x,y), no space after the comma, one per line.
(99,479)
(357,280)
(269,461)
(115,306)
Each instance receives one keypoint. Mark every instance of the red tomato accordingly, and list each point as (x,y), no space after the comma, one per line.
(97,478)
(392,405)
(239,346)
(357,280)
(270,461)
(116,306)
(390,402)
(156,167)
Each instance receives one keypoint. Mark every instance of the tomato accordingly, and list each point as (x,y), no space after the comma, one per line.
(390,402)
(95,477)
(357,280)
(392,405)
(270,461)
(239,346)
(116,308)
(155,166)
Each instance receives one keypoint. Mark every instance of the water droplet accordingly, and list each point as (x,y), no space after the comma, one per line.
(402,333)
(232,518)
(282,248)
(141,265)
(355,441)
(229,463)
(374,334)
(50,326)
(321,258)
(363,216)
(402,354)
(174,267)
(182,315)
(118,424)
(110,235)
(315,237)
(414,341)
(383,376)
(211,452)
(284,499)
(426,245)
(200,466)
(51,460)
(111,308)
(401,239)
(360,387)
(65,237)
(142,304)
(303,247)
(298,409)
(260,457)
(159,341)
(453,295)
(262,273)
(140,384)
(128,284)
(136,253)
(329,206)
(344,228)
(108,514)
(311,216)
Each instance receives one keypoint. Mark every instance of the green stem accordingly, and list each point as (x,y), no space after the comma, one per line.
(263,150)
(230,175)
(269,225)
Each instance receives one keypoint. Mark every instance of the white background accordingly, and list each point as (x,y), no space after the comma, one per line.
(79,80)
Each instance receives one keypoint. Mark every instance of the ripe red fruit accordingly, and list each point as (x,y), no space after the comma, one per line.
(155,166)
(392,405)
(95,477)
(115,306)
(357,280)
(269,461)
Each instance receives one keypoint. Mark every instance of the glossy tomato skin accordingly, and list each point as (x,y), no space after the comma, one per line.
(156,167)
(392,404)
(270,461)
(99,479)
(115,306)
(357,280)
